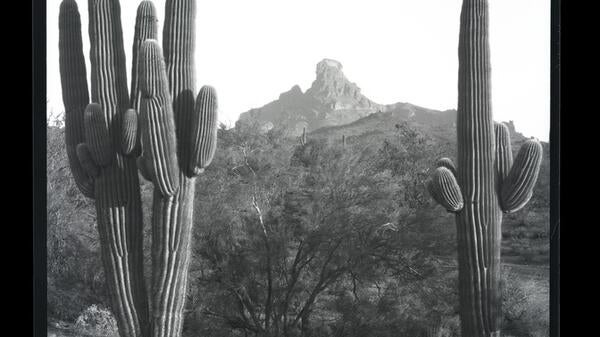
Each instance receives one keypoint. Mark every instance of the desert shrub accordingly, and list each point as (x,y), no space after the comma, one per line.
(96,321)
(525,306)
(309,154)
(74,272)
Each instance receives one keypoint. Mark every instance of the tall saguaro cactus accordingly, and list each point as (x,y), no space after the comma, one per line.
(486,183)
(159,128)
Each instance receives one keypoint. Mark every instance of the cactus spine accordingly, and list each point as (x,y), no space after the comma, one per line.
(486,179)
(153,128)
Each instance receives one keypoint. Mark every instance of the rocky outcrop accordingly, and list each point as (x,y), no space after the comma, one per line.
(332,100)
(334,90)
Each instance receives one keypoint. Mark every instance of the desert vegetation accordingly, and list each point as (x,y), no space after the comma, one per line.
(348,234)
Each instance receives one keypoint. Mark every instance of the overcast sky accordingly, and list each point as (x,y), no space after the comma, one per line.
(396,51)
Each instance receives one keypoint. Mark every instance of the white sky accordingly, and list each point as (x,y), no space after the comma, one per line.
(396,51)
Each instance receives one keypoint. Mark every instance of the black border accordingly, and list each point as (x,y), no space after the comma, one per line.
(38,116)
(555,145)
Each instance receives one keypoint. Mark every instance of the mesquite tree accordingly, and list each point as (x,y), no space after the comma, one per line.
(157,128)
(486,182)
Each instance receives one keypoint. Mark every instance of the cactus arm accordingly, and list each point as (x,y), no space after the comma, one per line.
(74,90)
(158,126)
(86,160)
(107,57)
(444,188)
(96,135)
(179,47)
(203,140)
(129,132)
(504,158)
(447,163)
(145,29)
(518,186)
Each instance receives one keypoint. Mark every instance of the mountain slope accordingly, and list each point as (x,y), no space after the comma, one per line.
(333,100)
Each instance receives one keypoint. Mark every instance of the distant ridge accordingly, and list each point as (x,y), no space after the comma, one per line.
(333,103)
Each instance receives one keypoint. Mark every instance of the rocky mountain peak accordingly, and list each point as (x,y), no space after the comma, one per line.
(328,66)
(332,100)
(333,89)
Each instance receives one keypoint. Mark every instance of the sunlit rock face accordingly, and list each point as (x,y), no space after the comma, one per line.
(333,89)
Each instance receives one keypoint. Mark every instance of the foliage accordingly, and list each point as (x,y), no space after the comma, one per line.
(74,271)
(96,321)
(281,239)
(525,306)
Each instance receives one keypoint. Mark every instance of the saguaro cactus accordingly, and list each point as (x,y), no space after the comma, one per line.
(157,128)
(303,137)
(486,183)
